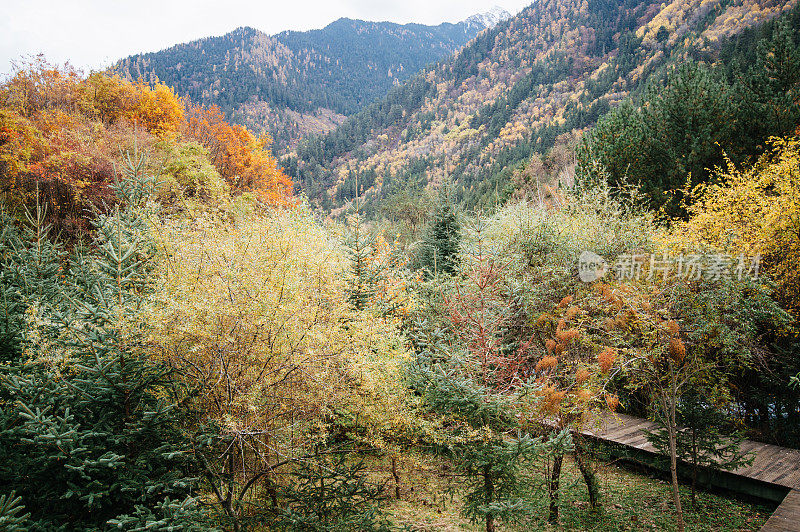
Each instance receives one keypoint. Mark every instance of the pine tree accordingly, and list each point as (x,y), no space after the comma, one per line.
(701,441)
(439,252)
(768,90)
(364,273)
(30,273)
(368,266)
(330,491)
(87,440)
(483,436)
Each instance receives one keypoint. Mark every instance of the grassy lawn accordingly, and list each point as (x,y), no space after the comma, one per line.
(430,500)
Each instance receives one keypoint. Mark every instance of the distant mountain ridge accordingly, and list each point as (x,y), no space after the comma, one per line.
(294,82)
(547,73)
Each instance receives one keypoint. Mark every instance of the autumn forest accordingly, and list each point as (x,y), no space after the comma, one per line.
(537,271)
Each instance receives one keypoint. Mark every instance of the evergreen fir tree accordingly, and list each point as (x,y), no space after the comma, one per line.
(702,442)
(330,491)
(484,435)
(364,274)
(366,270)
(30,273)
(87,440)
(439,252)
(11,517)
(767,91)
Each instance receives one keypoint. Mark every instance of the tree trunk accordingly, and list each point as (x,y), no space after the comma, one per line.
(694,468)
(490,523)
(229,508)
(270,485)
(232,514)
(488,485)
(396,478)
(272,492)
(763,419)
(589,475)
(554,481)
(673,453)
(323,505)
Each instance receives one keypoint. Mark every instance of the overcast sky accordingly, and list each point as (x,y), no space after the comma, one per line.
(94,33)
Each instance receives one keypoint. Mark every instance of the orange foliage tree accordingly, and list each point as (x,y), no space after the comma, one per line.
(663,340)
(486,315)
(61,134)
(243,159)
(573,369)
(56,139)
(480,309)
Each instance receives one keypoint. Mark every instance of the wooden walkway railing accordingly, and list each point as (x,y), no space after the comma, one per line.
(772,465)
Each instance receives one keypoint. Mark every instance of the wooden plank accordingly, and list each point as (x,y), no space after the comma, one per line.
(790,478)
(625,431)
(627,435)
(771,464)
(785,467)
(640,441)
(786,517)
(763,462)
(618,422)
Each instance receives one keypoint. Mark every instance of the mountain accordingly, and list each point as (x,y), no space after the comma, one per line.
(531,82)
(489,19)
(295,83)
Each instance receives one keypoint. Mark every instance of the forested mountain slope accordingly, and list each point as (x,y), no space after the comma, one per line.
(297,82)
(553,69)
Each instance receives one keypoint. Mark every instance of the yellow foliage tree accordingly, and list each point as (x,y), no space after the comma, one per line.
(254,315)
(756,211)
(158,109)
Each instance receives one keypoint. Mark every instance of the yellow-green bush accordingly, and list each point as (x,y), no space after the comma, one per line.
(755,211)
(188,173)
(252,309)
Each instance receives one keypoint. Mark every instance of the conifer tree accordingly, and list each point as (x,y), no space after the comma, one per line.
(439,251)
(483,434)
(364,274)
(368,266)
(30,268)
(87,440)
(330,491)
(768,89)
(702,441)
(11,517)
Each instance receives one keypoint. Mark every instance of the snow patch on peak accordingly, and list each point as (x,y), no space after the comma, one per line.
(489,19)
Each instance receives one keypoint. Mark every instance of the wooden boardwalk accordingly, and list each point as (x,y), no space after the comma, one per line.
(787,517)
(772,465)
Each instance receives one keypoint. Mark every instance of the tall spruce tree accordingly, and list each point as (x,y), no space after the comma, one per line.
(368,265)
(483,434)
(702,441)
(439,252)
(364,273)
(87,440)
(30,268)
(677,133)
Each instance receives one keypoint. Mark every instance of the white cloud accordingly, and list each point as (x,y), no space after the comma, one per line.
(94,33)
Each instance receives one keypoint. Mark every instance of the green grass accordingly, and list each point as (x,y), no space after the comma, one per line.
(431,500)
